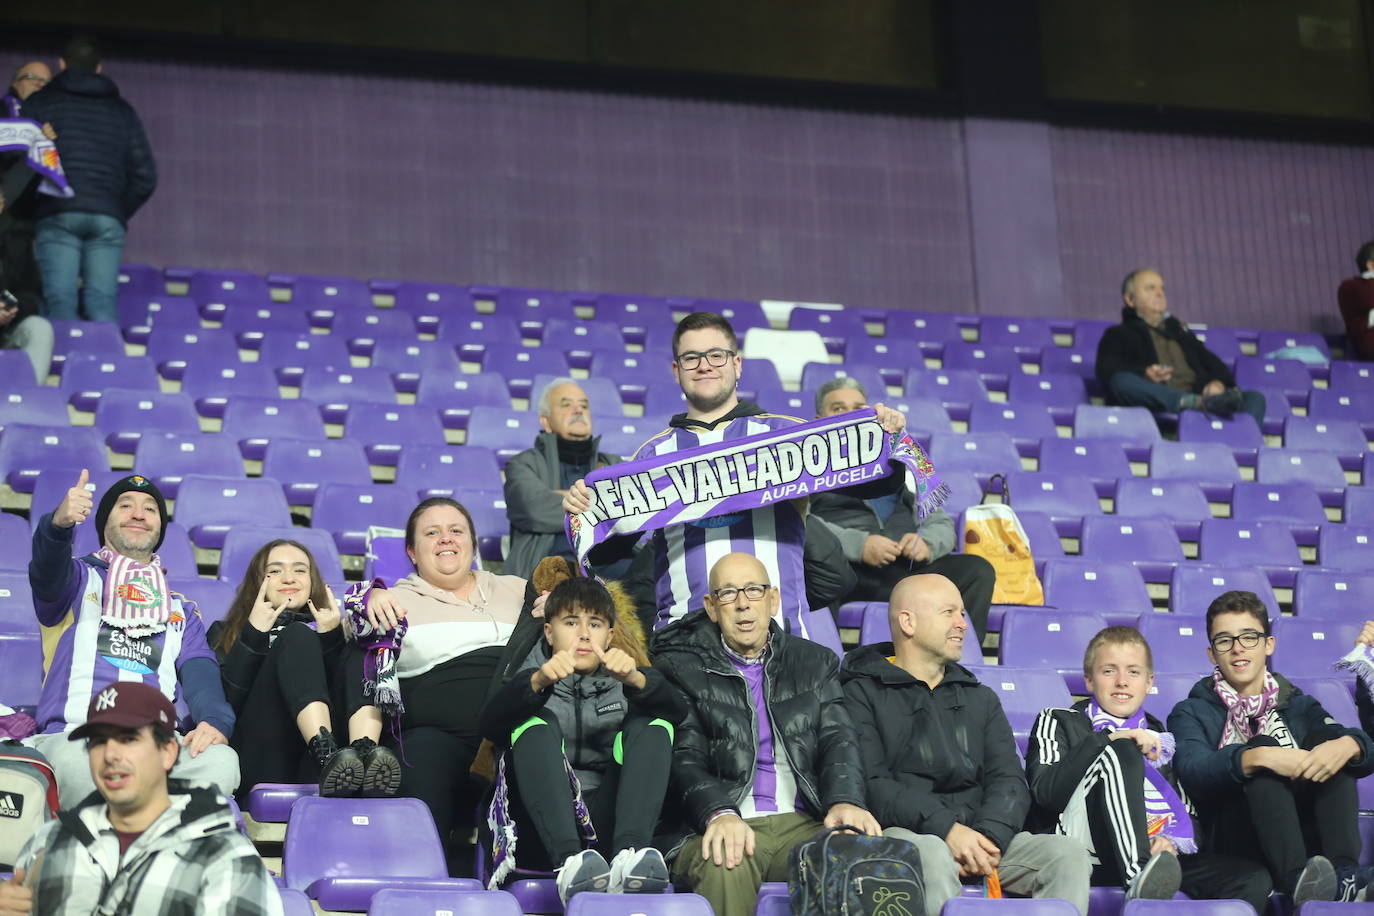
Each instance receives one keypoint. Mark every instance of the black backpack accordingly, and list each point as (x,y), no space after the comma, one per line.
(845,873)
(28,797)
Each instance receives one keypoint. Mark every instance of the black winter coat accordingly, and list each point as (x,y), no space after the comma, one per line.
(105,153)
(1130,347)
(713,756)
(934,757)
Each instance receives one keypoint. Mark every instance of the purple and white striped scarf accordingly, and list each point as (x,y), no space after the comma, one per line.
(23,135)
(1361,661)
(380,649)
(1165,813)
(136,598)
(502,824)
(740,475)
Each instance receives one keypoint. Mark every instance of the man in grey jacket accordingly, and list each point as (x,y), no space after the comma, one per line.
(537,478)
(885,541)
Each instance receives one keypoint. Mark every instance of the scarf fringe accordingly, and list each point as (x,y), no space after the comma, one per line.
(1359,660)
(933,498)
(1185,845)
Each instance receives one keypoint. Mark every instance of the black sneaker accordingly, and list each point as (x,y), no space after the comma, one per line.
(381,770)
(1158,880)
(1352,882)
(341,772)
(1316,882)
(1224,404)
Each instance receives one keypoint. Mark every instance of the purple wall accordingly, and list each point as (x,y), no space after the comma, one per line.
(280,170)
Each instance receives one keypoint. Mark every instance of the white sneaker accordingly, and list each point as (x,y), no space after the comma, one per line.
(583,871)
(638,871)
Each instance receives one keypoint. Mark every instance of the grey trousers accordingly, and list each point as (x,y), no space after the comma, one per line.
(34,336)
(1035,865)
(217,765)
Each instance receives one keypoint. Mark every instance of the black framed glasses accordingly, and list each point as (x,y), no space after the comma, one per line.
(1248,640)
(728,594)
(716,358)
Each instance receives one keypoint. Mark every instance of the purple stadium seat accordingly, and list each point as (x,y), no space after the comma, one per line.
(212,383)
(624,435)
(289,355)
(1328,404)
(1346,547)
(38,406)
(1181,502)
(1172,687)
(1181,905)
(1211,465)
(253,422)
(140,280)
(227,286)
(1286,375)
(302,465)
(76,338)
(634,315)
(1231,542)
(1133,427)
(662,400)
(1343,438)
(577,338)
(1058,392)
(333,293)
(1112,588)
(890,356)
(532,308)
(1194,586)
(1034,637)
(1086,332)
(1178,642)
(1239,433)
(1223,342)
(929,329)
(408,360)
(394,901)
(1026,691)
(1269,341)
(632,373)
(251,325)
(984,454)
(1027,336)
(958,391)
(471,334)
(836,326)
(601,393)
(294,903)
(994,364)
(1351,376)
(386,430)
(455,395)
(341,851)
(1276,411)
(17,369)
(742,314)
(430,303)
(816,374)
(139,315)
(338,390)
(244,541)
(1325,594)
(171,350)
(594,904)
(15,532)
(26,450)
(1295,504)
(167,457)
(85,378)
(210,506)
(1072,361)
(1026,424)
(1065,498)
(270,802)
(1358,503)
(755,373)
(518,365)
(124,416)
(820,628)
(964,490)
(211,596)
(448,470)
(16,597)
(347,510)
(362,328)
(1320,469)
(489,518)
(1023,906)
(1307,648)
(1101,461)
(21,668)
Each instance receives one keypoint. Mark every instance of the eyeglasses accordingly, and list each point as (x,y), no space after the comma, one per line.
(1248,640)
(716,357)
(33,78)
(728,594)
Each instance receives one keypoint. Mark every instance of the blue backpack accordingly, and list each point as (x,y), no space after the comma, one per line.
(845,872)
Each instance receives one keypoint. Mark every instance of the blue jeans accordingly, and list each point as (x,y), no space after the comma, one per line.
(1131,390)
(86,245)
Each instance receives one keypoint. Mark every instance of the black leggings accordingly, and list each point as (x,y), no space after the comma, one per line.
(296,672)
(1280,823)
(624,808)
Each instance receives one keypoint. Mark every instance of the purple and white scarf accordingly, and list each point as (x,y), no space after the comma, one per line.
(1361,661)
(380,650)
(1165,813)
(502,824)
(136,598)
(23,135)
(740,475)
(1249,716)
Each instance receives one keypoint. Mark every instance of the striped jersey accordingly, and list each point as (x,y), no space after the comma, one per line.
(775,534)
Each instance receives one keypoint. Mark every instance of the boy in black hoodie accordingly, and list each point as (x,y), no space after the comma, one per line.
(1099,772)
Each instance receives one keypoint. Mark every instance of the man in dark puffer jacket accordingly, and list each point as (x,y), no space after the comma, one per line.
(767,751)
(942,767)
(106,157)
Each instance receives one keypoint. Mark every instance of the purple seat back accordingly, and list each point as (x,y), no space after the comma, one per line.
(456,395)
(982,906)
(837,327)
(364,327)
(1344,438)
(16,597)
(1133,427)
(253,422)
(14,531)
(1170,688)
(532,308)
(1295,504)
(1048,638)
(76,338)
(251,324)
(1287,375)
(1346,547)
(1149,543)
(632,373)
(1024,335)
(26,450)
(212,597)
(1027,424)
(1181,502)
(1198,907)
(518,365)
(1321,594)
(1329,404)
(1178,642)
(1212,465)
(471,334)
(892,357)
(634,315)
(212,382)
(336,390)
(302,465)
(1113,589)
(408,360)
(624,435)
(1193,586)
(171,456)
(1347,375)
(209,286)
(490,519)
(1059,392)
(932,329)
(503,430)
(395,901)
(923,417)
(210,507)
(957,390)
(1102,461)
(964,491)
(662,400)
(1268,545)
(1321,469)
(1024,692)
(85,378)
(172,349)
(336,293)
(140,280)
(347,510)
(125,416)
(984,454)
(38,406)
(578,338)
(1307,648)
(289,355)
(386,430)
(445,470)
(816,374)
(994,364)
(1064,498)
(17,370)
(21,669)
(593,904)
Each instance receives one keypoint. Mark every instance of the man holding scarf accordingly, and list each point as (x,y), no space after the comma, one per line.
(1100,773)
(109,617)
(706,365)
(1272,774)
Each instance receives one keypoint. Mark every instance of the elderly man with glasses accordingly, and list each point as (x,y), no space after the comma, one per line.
(767,755)
(27,80)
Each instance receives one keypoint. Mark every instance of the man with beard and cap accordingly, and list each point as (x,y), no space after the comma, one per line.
(537,478)
(109,617)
